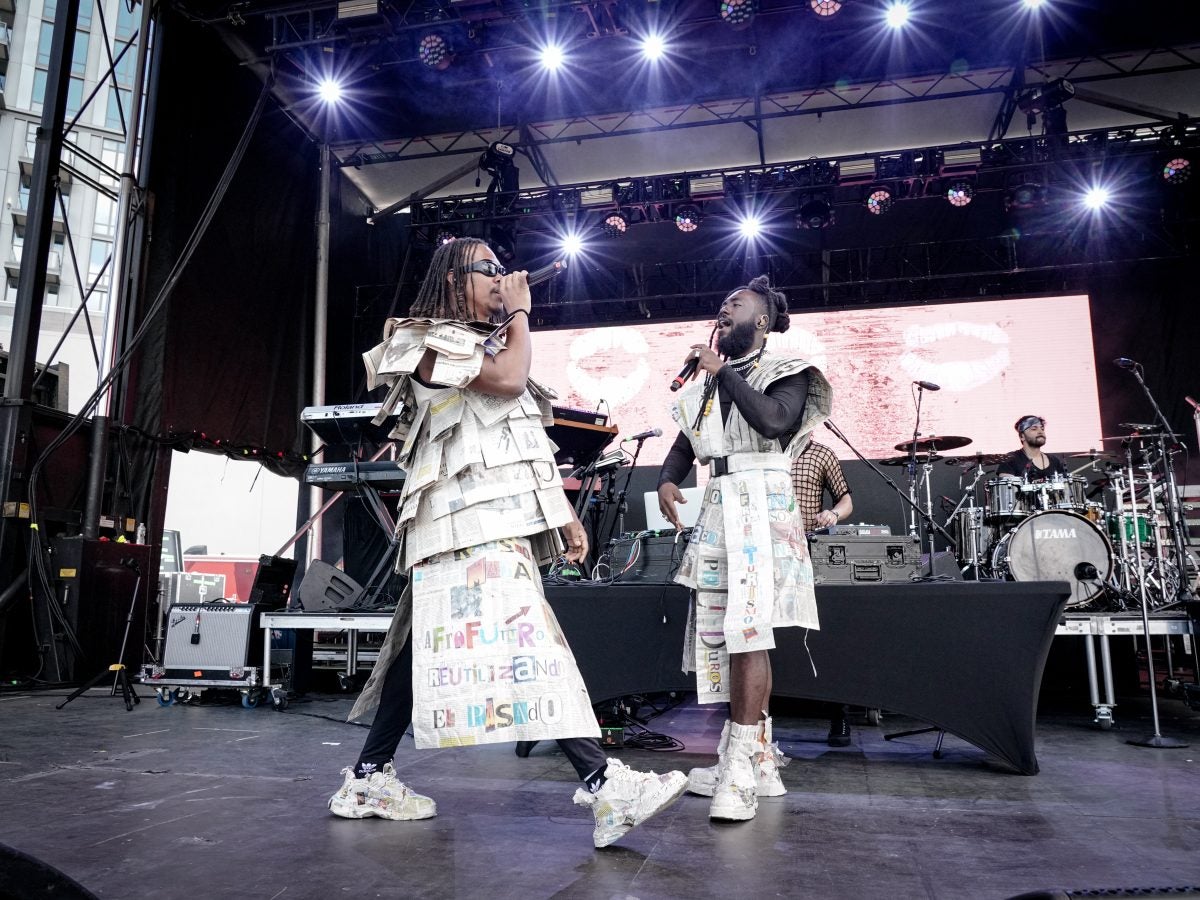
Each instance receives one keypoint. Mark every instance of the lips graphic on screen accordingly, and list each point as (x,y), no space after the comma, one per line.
(957,355)
(608,363)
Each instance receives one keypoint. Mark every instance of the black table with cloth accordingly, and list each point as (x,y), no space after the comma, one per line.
(966,657)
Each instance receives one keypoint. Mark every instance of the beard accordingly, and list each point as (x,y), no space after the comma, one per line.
(1036,442)
(738,341)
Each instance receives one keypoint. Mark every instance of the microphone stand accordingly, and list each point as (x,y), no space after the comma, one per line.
(622,505)
(926,518)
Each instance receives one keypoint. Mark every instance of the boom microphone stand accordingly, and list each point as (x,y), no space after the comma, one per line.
(926,516)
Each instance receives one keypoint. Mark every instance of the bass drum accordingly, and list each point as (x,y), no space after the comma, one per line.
(1056,546)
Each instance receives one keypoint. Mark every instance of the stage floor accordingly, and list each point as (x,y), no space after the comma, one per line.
(217,801)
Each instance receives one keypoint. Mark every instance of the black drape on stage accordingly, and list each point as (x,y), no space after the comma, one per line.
(965,657)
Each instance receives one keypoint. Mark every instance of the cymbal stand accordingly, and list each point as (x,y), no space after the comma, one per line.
(1174,508)
(970,554)
(1157,739)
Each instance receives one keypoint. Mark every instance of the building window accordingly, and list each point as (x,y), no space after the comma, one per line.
(51,295)
(126,64)
(39,90)
(106,216)
(80,53)
(101,250)
(45,39)
(128,20)
(74,96)
(118,108)
(85,13)
(10,290)
(31,130)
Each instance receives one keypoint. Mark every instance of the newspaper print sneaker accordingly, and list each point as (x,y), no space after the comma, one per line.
(380,794)
(627,799)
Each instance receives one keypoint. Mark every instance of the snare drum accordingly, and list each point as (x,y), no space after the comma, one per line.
(1065,492)
(1004,503)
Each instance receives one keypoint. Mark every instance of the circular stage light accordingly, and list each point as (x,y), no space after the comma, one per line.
(825,7)
(1177,171)
(687,217)
(435,52)
(738,14)
(879,201)
(614,225)
(960,193)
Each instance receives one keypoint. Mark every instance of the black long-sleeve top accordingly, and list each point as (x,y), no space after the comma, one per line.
(775,413)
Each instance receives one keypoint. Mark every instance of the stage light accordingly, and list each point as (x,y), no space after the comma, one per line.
(653,47)
(614,225)
(815,212)
(445,236)
(825,7)
(1177,171)
(897,14)
(330,90)
(1027,195)
(1033,4)
(552,57)
(687,217)
(1096,198)
(750,227)
(961,193)
(572,244)
(879,201)
(434,52)
(738,14)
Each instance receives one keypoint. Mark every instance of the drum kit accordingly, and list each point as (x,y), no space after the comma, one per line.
(1116,535)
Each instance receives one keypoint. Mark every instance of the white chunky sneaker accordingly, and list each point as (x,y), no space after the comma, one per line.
(736,795)
(380,794)
(627,799)
(767,763)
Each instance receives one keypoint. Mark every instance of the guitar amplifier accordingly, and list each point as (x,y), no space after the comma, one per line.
(865,559)
(212,641)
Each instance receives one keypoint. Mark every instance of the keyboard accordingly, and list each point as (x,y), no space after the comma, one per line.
(346,476)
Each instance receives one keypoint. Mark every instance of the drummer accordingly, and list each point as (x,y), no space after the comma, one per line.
(1030,462)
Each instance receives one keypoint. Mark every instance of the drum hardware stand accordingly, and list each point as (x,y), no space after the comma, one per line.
(1157,739)
(119,672)
(973,561)
(914,507)
(914,482)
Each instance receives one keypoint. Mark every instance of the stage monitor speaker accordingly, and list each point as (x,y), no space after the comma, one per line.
(273,582)
(945,566)
(327,589)
(212,637)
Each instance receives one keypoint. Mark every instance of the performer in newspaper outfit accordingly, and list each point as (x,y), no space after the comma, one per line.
(474,654)
(747,560)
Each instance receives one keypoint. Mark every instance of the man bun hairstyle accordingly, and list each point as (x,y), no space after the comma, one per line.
(773,300)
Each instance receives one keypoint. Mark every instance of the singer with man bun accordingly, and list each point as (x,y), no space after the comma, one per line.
(747,419)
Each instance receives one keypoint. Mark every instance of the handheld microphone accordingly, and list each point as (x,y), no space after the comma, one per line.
(1123,362)
(653,432)
(688,370)
(545,273)
(928,385)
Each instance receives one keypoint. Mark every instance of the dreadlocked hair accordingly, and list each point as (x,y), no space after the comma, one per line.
(439,297)
(776,303)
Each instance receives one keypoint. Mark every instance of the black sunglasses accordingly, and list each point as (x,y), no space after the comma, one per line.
(487,267)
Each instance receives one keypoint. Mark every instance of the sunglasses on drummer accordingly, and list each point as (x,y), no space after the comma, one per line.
(488,267)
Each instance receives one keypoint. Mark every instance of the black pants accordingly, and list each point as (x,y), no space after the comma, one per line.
(395,715)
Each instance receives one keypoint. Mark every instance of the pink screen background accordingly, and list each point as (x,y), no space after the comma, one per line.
(995,361)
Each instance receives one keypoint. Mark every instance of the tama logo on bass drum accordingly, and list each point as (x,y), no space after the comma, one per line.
(1042,534)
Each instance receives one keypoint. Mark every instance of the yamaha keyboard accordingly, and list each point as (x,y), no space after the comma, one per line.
(384,475)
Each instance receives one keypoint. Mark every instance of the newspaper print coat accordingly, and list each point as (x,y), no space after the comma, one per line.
(747,560)
(480,509)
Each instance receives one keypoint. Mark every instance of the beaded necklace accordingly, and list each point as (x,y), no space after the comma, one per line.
(742,367)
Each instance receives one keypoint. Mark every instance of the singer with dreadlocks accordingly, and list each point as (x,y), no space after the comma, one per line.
(747,562)
(474,654)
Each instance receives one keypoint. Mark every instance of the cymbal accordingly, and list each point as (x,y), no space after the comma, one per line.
(922,458)
(935,443)
(1097,455)
(979,459)
(1137,426)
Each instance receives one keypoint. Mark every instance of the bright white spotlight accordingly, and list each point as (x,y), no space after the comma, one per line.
(572,244)
(653,47)
(330,90)
(552,57)
(750,227)
(1033,4)
(898,13)
(1096,198)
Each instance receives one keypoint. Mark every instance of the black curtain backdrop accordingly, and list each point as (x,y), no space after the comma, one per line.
(229,358)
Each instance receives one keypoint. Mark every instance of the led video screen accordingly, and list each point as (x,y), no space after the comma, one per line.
(994,361)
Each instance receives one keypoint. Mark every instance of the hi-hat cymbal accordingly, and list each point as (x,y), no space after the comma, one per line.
(1097,455)
(922,458)
(935,443)
(1137,426)
(979,459)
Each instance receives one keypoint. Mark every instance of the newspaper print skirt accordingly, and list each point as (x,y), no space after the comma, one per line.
(490,663)
(748,563)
